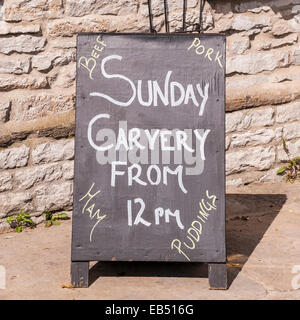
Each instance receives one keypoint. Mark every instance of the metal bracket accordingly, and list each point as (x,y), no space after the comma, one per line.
(166,16)
(152,30)
(197,27)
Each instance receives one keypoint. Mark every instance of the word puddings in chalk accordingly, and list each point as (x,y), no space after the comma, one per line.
(195,231)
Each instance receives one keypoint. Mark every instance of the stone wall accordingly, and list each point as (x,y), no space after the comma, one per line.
(37,84)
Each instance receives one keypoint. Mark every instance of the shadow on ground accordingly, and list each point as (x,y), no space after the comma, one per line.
(248,216)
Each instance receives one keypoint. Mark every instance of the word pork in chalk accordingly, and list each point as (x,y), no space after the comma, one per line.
(209,53)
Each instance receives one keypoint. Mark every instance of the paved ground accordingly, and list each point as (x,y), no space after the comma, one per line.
(263,243)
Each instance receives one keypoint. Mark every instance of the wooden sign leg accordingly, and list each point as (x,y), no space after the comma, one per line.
(217,276)
(80,274)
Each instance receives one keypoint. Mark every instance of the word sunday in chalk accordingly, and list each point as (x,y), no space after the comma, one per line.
(173,94)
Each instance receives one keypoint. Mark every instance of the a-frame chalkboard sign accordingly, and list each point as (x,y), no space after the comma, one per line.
(149,151)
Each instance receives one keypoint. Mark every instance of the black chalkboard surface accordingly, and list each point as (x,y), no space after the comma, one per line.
(149,151)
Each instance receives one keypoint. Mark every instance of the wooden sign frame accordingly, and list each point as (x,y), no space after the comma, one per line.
(150,151)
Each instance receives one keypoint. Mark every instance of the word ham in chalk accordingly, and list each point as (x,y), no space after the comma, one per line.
(173,94)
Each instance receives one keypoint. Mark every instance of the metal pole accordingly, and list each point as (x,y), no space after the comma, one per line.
(166,16)
(183,15)
(150,17)
(202,3)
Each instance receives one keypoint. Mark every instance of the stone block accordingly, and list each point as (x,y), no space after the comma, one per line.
(53,151)
(291,131)
(55,196)
(19,82)
(41,105)
(78,8)
(12,202)
(259,158)
(29,10)
(5,181)
(5,111)
(15,66)
(244,22)
(294,150)
(45,61)
(241,120)
(288,112)
(14,157)
(17,28)
(22,44)
(256,62)
(26,178)
(260,136)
